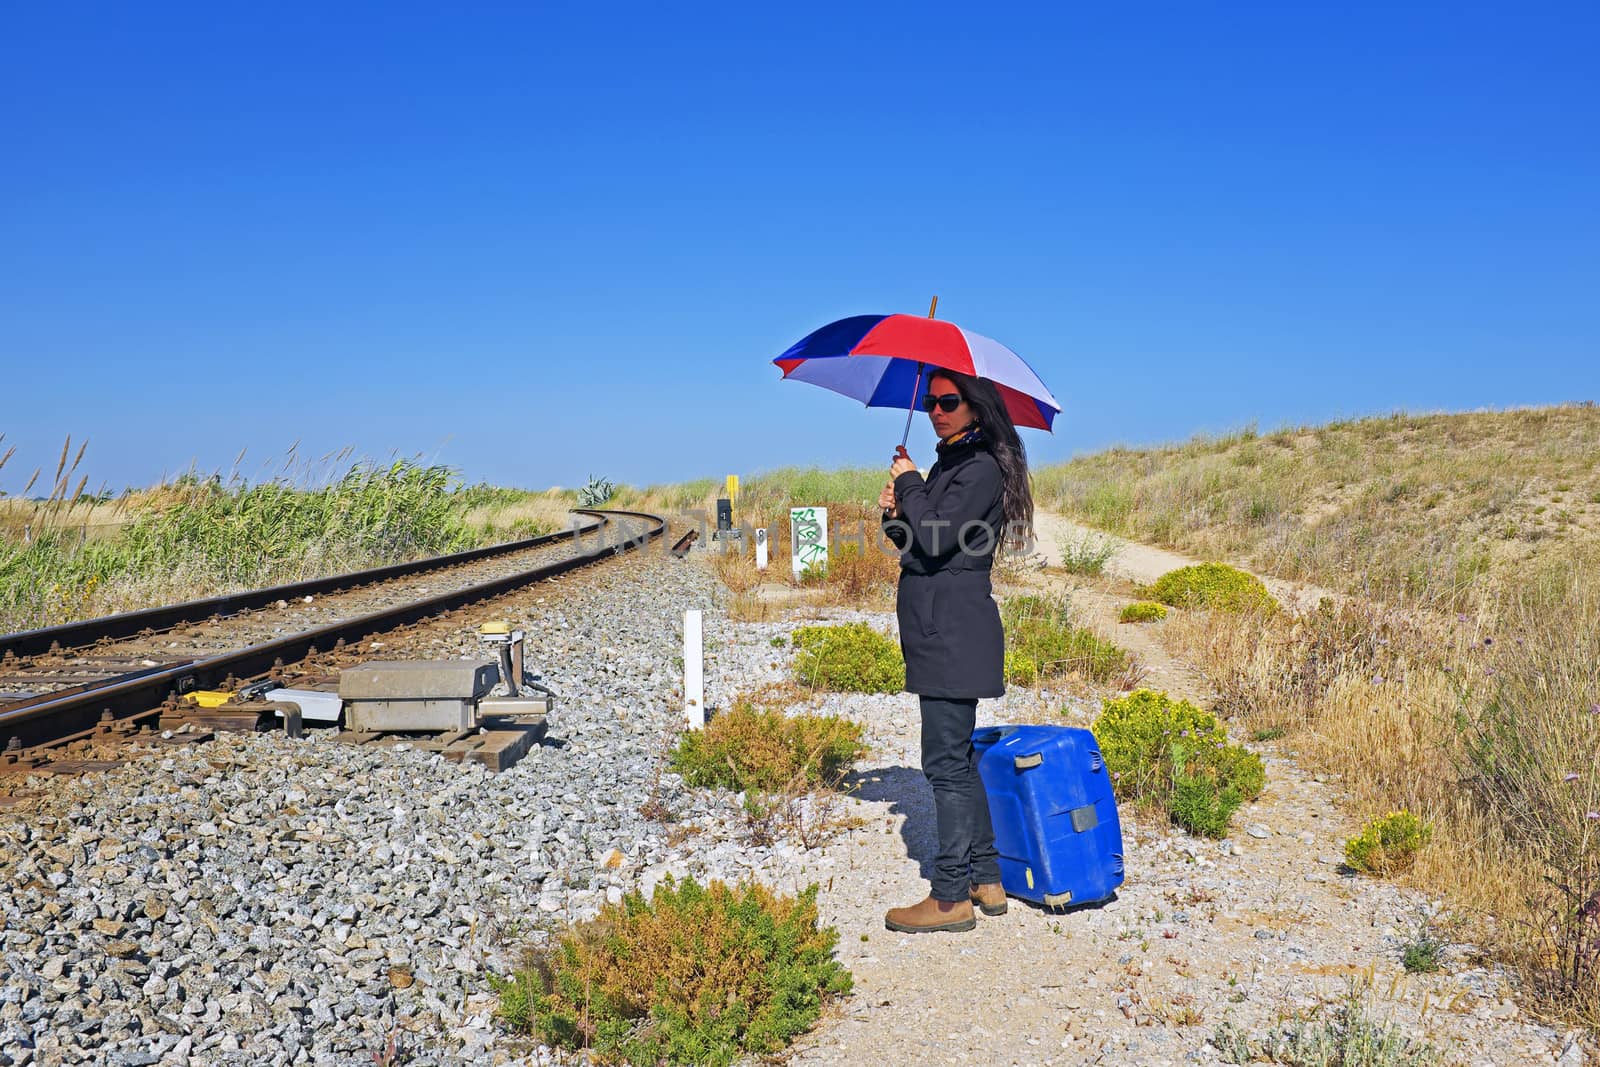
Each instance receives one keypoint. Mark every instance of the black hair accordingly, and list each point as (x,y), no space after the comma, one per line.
(1000,434)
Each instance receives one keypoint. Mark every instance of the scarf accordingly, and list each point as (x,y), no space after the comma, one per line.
(972,435)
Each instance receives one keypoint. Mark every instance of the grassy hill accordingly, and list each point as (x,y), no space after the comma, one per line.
(1407,507)
(1483,719)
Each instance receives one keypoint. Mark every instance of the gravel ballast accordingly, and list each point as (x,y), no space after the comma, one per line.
(260,900)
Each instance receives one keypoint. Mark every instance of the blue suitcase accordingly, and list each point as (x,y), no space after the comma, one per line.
(1054,813)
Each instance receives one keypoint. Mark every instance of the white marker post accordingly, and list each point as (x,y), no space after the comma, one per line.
(761,548)
(694,681)
(808,528)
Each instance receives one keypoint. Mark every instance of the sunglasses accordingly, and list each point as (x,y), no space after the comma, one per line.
(946,403)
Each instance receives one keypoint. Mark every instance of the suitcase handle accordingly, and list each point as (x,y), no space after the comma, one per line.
(1031,759)
(992,734)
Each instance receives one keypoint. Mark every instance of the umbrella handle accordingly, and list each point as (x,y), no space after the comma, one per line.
(912,410)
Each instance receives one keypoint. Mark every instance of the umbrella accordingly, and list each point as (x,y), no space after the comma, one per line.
(881,360)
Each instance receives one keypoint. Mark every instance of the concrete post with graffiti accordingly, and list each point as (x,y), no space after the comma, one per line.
(809,538)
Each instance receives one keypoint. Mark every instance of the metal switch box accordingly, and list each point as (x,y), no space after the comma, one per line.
(415,695)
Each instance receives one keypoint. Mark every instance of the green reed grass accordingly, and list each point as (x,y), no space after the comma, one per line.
(198,536)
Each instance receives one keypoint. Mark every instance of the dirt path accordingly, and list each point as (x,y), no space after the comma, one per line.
(1255,930)
(1145,563)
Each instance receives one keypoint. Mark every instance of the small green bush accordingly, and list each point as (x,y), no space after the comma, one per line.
(754,748)
(693,976)
(1212,585)
(814,573)
(853,658)
(1348,1036)
(1424,953)
(1086,555)
(1388,844)
(1143,611)
(1201,808)
(1169,754)
(1020,668)
(1042,642)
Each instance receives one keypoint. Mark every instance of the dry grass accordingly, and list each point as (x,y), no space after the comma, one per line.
(737,571)
(748,607)
(1485,722)
(549,510)
(863,567)
(67,507)
(1408,507)
(91,515)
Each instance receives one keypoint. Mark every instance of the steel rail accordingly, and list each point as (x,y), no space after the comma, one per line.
(59,718)
(133,623)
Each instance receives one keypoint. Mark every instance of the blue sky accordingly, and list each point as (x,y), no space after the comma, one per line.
(537,241)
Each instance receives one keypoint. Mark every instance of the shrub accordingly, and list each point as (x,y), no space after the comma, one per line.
(853,658)
(1201,808)
(1169,754)
(1143,611)
(749,747)
(1087,555)
(1349,1036)
(1424,953)
(1212,585)
(1020,668)
(1388,844)
(1042,642)
(693,976)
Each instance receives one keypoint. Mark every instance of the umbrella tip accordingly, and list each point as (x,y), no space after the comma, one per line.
(933,306)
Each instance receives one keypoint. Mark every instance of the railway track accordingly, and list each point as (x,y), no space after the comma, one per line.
(29,658)
(235,639)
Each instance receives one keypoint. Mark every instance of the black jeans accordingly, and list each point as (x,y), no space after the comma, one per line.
(966,837)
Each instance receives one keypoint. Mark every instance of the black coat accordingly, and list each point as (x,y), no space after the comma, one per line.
(948,528)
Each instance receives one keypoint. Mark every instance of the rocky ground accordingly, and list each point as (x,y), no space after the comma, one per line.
(258,900)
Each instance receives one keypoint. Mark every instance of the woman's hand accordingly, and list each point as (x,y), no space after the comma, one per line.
(902,462)
(886,501)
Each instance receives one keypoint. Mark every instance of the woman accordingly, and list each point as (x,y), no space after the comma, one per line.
(948,528)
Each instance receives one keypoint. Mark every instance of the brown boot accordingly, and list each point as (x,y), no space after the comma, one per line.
(990,898)
(931,915)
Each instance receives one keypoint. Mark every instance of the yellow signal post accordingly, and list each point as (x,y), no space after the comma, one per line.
(733,488)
